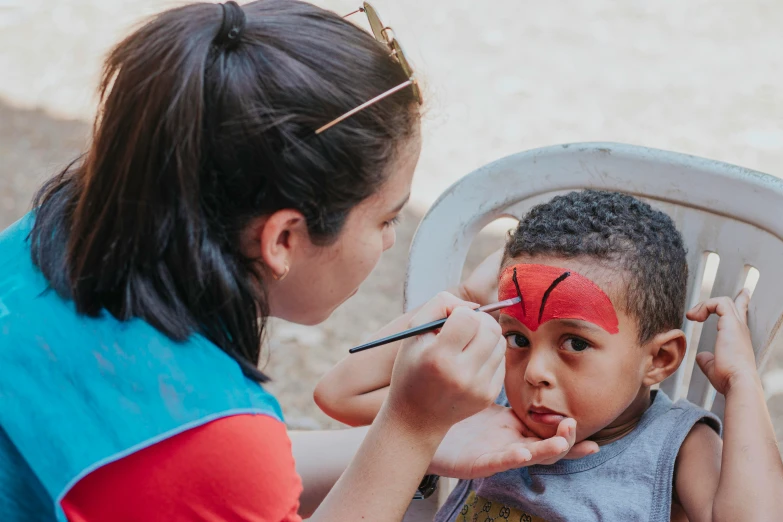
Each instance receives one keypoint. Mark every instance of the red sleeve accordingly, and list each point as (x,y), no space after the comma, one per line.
(237,468)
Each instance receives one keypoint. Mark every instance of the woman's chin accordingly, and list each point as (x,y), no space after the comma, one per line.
(346,298)
(314,316)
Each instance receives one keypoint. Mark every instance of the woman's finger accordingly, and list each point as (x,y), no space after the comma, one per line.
(582,449)
(497,379)
(514,456)
(498,354)
(567,430)
(484,344)
(547,450)
(440,306)
(460,330)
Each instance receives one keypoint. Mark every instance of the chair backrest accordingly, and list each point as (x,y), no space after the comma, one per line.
(719,208)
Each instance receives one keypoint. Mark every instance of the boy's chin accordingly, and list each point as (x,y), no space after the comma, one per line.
(538,430)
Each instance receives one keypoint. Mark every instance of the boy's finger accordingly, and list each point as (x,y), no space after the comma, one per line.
(706,362)
(693,312)
(717,305)
(741,303)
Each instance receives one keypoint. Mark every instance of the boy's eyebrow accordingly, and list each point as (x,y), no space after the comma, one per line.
(568,323)
(507,319)
(580,325)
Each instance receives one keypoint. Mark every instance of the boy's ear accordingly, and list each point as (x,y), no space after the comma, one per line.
(666,351)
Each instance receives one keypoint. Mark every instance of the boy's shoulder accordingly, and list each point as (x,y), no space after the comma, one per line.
(704,418)
(697,468)
(703,441)
(694,430)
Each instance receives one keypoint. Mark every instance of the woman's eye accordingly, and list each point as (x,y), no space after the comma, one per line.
(392,222)
(515,340)
(575,344)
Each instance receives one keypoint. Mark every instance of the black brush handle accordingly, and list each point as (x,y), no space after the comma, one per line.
(434,325)
(425,328)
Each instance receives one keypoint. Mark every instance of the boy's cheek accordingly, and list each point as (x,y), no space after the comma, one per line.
(515,372)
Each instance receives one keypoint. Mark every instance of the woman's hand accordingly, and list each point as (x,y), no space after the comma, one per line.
(437,380)
(441,379)
(495,440)
(354,390)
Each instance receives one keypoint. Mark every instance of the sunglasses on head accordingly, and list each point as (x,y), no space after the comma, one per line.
(385,35)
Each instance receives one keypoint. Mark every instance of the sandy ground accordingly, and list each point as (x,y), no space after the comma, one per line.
(698,76)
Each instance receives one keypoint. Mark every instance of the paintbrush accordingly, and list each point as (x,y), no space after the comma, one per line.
(434,325)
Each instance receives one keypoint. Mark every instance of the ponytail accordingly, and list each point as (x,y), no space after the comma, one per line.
(189,144)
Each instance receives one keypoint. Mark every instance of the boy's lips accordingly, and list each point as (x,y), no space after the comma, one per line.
(543,415)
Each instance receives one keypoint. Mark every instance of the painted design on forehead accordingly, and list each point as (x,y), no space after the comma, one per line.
(549,292)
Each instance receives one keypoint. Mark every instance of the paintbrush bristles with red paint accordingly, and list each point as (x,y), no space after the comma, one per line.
(434,325)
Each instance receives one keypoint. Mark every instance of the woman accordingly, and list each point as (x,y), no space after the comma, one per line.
(229,179)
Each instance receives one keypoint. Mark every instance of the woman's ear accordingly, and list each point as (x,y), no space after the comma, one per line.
(275,239)
(666,351)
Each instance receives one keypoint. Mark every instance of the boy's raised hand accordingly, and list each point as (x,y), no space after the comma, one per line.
(481,286)
(733,359)
(720,481)
(495,440)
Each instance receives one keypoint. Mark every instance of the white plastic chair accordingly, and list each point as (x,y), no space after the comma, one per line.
(719,208)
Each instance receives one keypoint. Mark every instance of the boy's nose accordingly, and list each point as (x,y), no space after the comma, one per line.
(538,371)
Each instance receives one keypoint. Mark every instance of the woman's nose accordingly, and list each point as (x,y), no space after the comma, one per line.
(389,238)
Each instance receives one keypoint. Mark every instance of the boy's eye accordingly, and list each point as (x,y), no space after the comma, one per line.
(575,344)
(516,340)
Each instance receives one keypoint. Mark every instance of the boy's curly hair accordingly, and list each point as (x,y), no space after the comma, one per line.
(621,232)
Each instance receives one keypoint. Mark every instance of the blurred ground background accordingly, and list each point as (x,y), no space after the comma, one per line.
(697,76)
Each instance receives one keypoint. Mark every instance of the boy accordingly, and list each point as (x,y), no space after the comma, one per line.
(602,278)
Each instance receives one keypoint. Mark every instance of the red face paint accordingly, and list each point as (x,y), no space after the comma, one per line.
(549,292)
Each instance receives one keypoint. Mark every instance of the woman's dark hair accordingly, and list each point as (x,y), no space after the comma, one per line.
(625,234)
(196,135)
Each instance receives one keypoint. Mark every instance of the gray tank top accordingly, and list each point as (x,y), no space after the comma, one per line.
(629,479)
